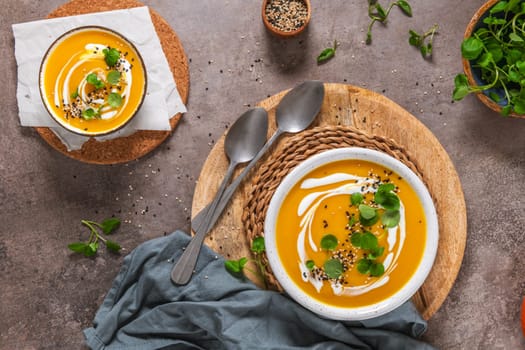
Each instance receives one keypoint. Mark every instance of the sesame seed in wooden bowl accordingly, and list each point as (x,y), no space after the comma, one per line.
(286,18)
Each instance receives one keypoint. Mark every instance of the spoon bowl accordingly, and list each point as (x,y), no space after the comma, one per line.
(299,107)
(246,136)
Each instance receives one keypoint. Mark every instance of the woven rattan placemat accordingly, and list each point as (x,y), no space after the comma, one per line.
(295,150)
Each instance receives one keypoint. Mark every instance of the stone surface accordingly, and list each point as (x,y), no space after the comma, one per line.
(47,295)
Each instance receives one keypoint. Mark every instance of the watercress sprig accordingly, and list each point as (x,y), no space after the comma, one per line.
(368,242)
(90,247)
(418,40)
(377,13)
(237,267)
(327,53)
(111,56)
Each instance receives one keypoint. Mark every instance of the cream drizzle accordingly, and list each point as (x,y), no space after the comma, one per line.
(306,211)
(92,52)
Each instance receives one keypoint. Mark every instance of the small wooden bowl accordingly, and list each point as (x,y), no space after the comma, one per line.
(282,33)
(472,75)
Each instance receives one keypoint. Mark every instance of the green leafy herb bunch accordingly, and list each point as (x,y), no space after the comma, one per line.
(497,51)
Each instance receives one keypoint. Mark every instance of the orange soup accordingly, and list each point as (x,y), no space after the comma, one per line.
(351,233)
(92,81)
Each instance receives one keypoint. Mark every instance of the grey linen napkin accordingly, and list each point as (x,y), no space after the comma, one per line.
(145,310)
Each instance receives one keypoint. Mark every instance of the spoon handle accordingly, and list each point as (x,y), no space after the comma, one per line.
(183,269)
(230,190)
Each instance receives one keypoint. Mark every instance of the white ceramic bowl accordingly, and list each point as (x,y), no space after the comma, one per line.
(369,311)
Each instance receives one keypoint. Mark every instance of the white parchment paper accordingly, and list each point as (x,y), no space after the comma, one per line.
(32,39)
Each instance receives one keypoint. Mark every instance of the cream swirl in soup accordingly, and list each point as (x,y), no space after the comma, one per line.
(343,184)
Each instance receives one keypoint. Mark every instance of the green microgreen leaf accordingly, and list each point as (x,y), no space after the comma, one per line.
(114,99)
(111,56)
(258,245)
(333,268)
(419,40)
(390,218)
(93,79)
(110,225)
(356,198)
(352,221)
(310,264)
(381,12)
(89,114)
(367,212)
(471,48)
(113,246)
(329,242)
(386,187)
(327,53)
(376,269)
(114,77)
(461,87)
(494,97)
(385,197)
(363,265)
(369,241)
(91,249)
(499,7)
(78,247)
(505,111)
(74,94)
(364,240)
(376,253)
(236,266)
(405,7)
(368,222)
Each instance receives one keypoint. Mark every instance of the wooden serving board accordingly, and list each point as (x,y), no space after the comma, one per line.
(372,114)
(125,149)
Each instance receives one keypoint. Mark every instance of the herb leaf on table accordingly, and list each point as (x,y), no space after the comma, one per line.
(237,267)
(377,13)
(327,53)
(90,247)
(418,40)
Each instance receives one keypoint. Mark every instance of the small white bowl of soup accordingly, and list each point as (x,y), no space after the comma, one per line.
(92,81)
(351,233)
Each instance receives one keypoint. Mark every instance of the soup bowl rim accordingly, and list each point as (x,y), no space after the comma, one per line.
(362,312)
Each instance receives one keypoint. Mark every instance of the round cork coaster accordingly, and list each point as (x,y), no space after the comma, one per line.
(125,149)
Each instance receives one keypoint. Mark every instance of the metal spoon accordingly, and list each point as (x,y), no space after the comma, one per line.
(243,141)
(296,111)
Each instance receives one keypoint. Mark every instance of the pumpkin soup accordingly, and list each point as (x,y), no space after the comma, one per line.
(351,233)
(92,81)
